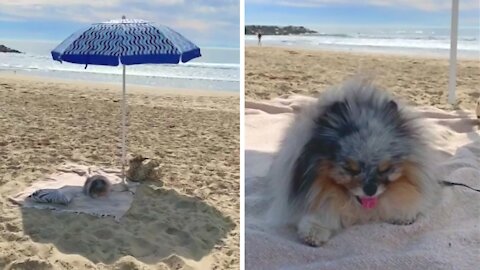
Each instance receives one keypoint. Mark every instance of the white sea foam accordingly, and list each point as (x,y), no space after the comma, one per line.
(434,41)
(217,69)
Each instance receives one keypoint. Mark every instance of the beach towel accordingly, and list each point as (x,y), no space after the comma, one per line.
(68,182)
(447,238)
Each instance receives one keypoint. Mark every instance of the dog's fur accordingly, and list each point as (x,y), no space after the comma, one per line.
(352,141)
(97,186)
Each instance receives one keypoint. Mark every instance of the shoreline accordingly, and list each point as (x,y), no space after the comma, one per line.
(369,50)
(130,87)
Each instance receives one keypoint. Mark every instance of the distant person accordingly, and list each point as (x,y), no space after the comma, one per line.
(259,35)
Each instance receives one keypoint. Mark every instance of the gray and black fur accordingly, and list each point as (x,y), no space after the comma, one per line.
(96,186)
(354,127)
(359,122)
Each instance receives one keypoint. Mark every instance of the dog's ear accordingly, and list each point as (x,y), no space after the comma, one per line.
(392,105)
(391,109)
(338,108)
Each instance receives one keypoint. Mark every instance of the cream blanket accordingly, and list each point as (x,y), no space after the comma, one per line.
(69,179)
(448,239)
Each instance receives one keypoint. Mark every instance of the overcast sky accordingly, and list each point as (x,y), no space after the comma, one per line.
(206,22)
(427,13)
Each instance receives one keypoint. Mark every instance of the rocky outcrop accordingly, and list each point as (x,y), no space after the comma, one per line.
(5,49)
(277,30)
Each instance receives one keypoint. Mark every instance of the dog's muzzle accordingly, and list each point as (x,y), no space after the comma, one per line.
(370,189)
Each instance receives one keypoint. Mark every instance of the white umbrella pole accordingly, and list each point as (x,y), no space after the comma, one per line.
(452,80)
(124,116)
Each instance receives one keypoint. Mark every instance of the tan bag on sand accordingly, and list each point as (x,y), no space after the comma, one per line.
(143,169)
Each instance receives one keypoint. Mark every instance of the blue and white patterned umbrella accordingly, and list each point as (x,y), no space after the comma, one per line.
(126,42)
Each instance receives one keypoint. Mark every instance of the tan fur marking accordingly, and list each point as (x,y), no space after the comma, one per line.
(329,191)
(384,166)
(403,192)
(353,166)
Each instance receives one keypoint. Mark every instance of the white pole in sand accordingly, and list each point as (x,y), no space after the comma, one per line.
(124,116)
(452,80)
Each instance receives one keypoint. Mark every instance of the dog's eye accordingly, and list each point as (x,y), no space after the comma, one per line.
(351,171)
(384,167)
(352,167)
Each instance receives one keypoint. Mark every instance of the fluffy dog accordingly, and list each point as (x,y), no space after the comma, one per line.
(97,186)
(353,156)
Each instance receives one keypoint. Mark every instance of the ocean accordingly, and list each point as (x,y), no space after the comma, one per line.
(407,41)
(217,69)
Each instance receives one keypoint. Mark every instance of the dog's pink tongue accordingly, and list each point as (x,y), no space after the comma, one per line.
(368,202)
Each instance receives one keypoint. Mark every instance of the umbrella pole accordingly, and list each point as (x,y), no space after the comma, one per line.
(124,116)
(452,76)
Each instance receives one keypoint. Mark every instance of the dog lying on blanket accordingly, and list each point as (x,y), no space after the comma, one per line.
(354,156)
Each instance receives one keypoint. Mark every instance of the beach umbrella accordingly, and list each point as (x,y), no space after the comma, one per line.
(452,74)
(125,42)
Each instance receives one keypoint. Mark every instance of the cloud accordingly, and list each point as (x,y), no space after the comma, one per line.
(192,24)
(425,5)
(57,3)
(102,3)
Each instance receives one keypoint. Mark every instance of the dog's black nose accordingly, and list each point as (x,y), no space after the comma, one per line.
(370,189)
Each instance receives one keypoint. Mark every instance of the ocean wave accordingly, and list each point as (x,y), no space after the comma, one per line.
(466,43)
(390,37)
(117,74)
(342,35)
(226,72)
(212,65)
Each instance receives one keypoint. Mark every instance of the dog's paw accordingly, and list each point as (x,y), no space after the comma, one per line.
(313,234)
(402,222)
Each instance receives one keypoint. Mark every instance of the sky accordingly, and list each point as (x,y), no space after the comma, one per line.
(213,23)
(358,13)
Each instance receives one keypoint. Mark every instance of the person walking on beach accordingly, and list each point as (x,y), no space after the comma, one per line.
(259,35)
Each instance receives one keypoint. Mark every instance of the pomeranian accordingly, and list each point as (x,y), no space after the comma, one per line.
(97,186)
(353,156)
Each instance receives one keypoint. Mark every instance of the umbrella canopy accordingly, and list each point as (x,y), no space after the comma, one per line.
(126,42)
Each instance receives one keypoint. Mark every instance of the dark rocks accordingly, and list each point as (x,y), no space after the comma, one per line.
(5,49)
(277,30)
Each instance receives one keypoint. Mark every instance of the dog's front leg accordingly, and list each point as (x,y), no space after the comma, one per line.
(315,228)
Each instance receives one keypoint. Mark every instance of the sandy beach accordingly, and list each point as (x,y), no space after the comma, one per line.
(274,71)
(192,222)
(436,240)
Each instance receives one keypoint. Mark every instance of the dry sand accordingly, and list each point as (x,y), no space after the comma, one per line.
(273,71)
(190,223)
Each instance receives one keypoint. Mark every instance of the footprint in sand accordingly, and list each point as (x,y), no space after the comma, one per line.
(183,237)
(141,247)
(103,234)
(183,204)
(175,262)
(12,228)
(30,263)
